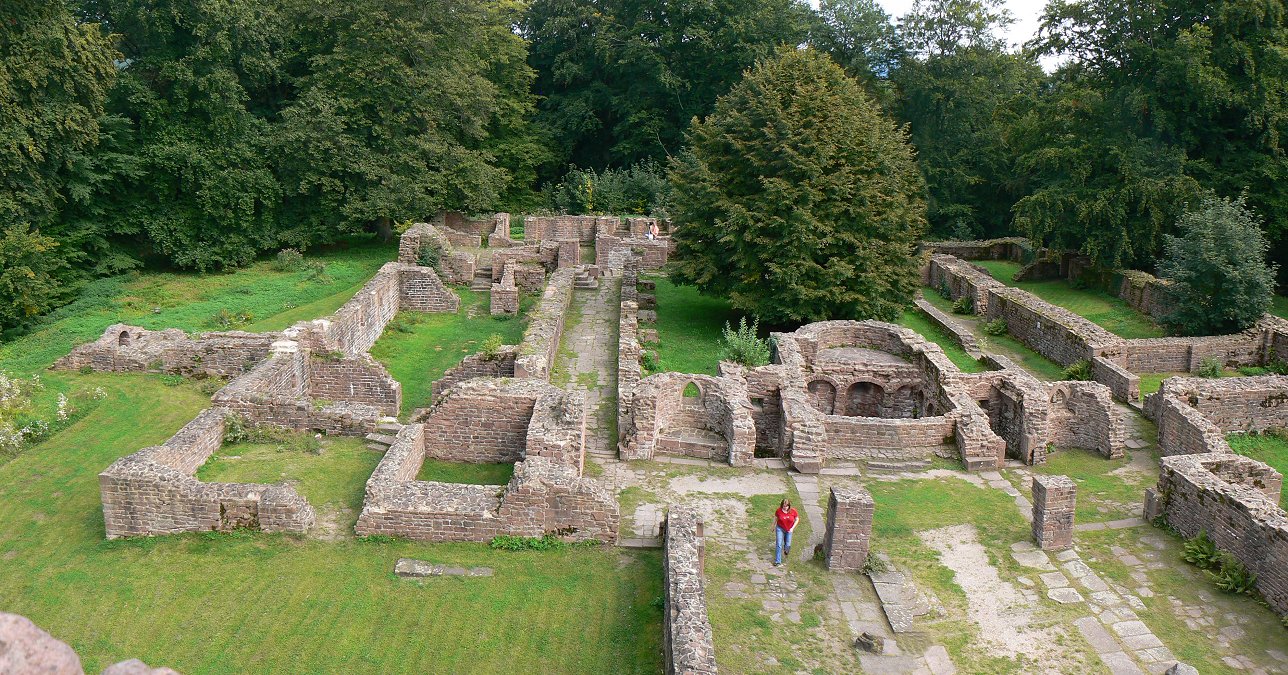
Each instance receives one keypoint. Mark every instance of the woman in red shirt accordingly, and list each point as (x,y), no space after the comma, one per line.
(785,519)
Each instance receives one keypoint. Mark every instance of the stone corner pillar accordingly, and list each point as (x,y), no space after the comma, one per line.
(847,539)
(1054,498)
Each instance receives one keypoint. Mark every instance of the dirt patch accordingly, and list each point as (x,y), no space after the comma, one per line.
(751,484)
(1003,614)
(334,524)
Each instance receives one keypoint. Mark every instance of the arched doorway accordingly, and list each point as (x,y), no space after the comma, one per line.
(822,395)
(864,400)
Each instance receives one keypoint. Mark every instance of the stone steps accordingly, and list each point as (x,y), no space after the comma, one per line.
(482,280)
(378,442)
(892,466)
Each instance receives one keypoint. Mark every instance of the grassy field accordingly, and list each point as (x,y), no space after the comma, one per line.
(464,472)
(1102,494)
(688,328)
(1280,306)
(1271,448)
(1107,311)
(417,347)
(334,476)
(276,604)
(917,320)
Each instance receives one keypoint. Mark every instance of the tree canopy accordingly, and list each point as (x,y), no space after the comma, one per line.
(798,199)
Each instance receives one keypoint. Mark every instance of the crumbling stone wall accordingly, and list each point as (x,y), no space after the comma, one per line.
(629,351)
(153,491)
(1082,415)
(1054,498)
(1234,500)
(422,291)
(716,424)
(687,644)
(849,529)
(481,227)
(1194,414)
(1016,249)
(457,267)
(123,348)
(1144,292)
(477,365)
(482,420)
(504,300)
(561,228)
(530,263)
(540,342)
(952,328)
(1122,383)
(355,379)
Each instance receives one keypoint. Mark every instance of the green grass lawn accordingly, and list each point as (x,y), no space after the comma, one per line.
(1271,448)
(1152,382)
(465,472)
(917,320)
(252,602)
(1280,306)
(688,328)
(1105,310)
(428,344)
(1102,494)
(336,476)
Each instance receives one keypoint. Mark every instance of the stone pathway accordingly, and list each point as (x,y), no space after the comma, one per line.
(588,357)
(807,487)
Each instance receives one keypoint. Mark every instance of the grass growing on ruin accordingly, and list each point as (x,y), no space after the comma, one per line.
(1108,312)
(260,603)
(688,328)
(917,320)
(1037,364)
(1105,491)
(465,472)
(1271,448)
(418,347)
(336,475)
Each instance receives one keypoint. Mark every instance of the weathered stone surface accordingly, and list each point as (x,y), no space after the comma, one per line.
(545,326)
(849,528)
(687,643)
(1054,498)
(25,648)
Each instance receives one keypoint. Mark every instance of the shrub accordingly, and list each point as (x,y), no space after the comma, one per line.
(743,345)
(1277,367)
(225,320)
(994,327)
(1201,551)
(171,380)
(1221,280)
(236,429)
(1231,576)
(641,188)
(944,291)
(316,271)
(289,260)
(508,542)
(1210,368)
(429,256)
(1080,371)
(648,359)
(491,347)
(964,305)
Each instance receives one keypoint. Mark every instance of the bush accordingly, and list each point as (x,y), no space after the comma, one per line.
(1210,368)
(1080,371)
(943,290)
(648,359)
(289,260)
(1231,576)
(429,256)
(1221,280)
(1201,551)
(507,542)
(742,344)
(964,305)
(226,320)
(1277,367)
(639,189)
(316,271)
(491,347)
(994,327)
(171,380)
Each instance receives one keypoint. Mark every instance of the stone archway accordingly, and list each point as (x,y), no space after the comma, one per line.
(123,340)
(822,395)
(864,399)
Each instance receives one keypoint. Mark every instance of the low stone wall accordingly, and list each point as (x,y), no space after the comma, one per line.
(847,540)
(545,496)
(123,348)
(153,491)
(457,267)
(716,423)
(355,379)
(540,342)
(1234,500)
(629,351)
(477,365)
(482,420)
(423,291)
(559,228)
(1054,499)
(504,300)
(1082,415)
(1194,414)
(1124,384)
(1144,292)
(687,644)
(530,263)
(611,250)
(951,327)
(1016,249)
(865,438)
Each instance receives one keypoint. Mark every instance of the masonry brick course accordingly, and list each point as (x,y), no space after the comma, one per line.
(688,646)
(1194,414)
(1054,499)
(847,540)
(714,425)
(540,342)
(504,300)
(123,348)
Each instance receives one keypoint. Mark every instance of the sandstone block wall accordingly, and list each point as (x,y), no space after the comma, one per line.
(540,342)
(629,351)
(1124,385)
(480,227)
(1234,500)
(423,291)
(153,491)
(124,348)
(482,421)
(1194,414)
(714,425)
(1017,249)
(1054,499)
(505,294)
(688,646)
(1082,415)
(457,267)
(951,327)
(356,379)
(1144,292)
(557,228)
(849,528)
(477,365)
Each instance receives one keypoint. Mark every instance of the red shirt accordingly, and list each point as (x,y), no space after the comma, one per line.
(786,519)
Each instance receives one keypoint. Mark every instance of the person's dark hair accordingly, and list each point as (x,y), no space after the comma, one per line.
(785,504)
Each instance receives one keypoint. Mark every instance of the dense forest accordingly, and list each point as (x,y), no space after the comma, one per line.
(199,134)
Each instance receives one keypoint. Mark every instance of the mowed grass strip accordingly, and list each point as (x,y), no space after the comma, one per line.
(335,476)
(253,602)
(418,347)
(1103,309)
(1271,448)
(465,472)
(918,321)
(689,327)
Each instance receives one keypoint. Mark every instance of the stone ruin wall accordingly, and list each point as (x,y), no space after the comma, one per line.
(456,267)
(1234,500)
(1054,501)
(476,365)
(629,353)
(123,349)
(540,342)
(848,535)
(481,421)
(1194,414)
(952,328)
(687,645)
(661,419)
(154,491)
(1015,249)
(564,228)
(504,298)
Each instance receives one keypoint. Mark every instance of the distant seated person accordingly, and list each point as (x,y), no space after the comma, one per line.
(653,232)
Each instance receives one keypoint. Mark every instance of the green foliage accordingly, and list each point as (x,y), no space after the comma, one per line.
(649,361)
(1232,576)
(1078,370)
(995,327)
(1222,282)
(1210,367)
(1201,551)
(964,305)
(547,542)
(170,380)
(227,320)
(491,348)
(289,260)
(429,256)
(31,272)
(744,345)
(799,200)
(641,189)
(860,37)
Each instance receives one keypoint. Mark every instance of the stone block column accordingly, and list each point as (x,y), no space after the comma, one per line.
(1054,498)
(849,528)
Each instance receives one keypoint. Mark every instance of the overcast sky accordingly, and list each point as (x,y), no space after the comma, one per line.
(1026,16)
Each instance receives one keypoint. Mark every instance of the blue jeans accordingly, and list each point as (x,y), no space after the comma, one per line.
(782,540)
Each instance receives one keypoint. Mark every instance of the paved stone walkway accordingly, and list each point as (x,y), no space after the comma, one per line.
(588,358)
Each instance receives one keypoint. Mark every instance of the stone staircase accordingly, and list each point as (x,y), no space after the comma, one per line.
(482,280)
(583,280)
(897,466)
(383,437)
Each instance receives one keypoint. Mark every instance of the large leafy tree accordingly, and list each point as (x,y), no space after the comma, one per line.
(860,36)
(55,73)
(799,200)
(619,80)
(1221,281)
